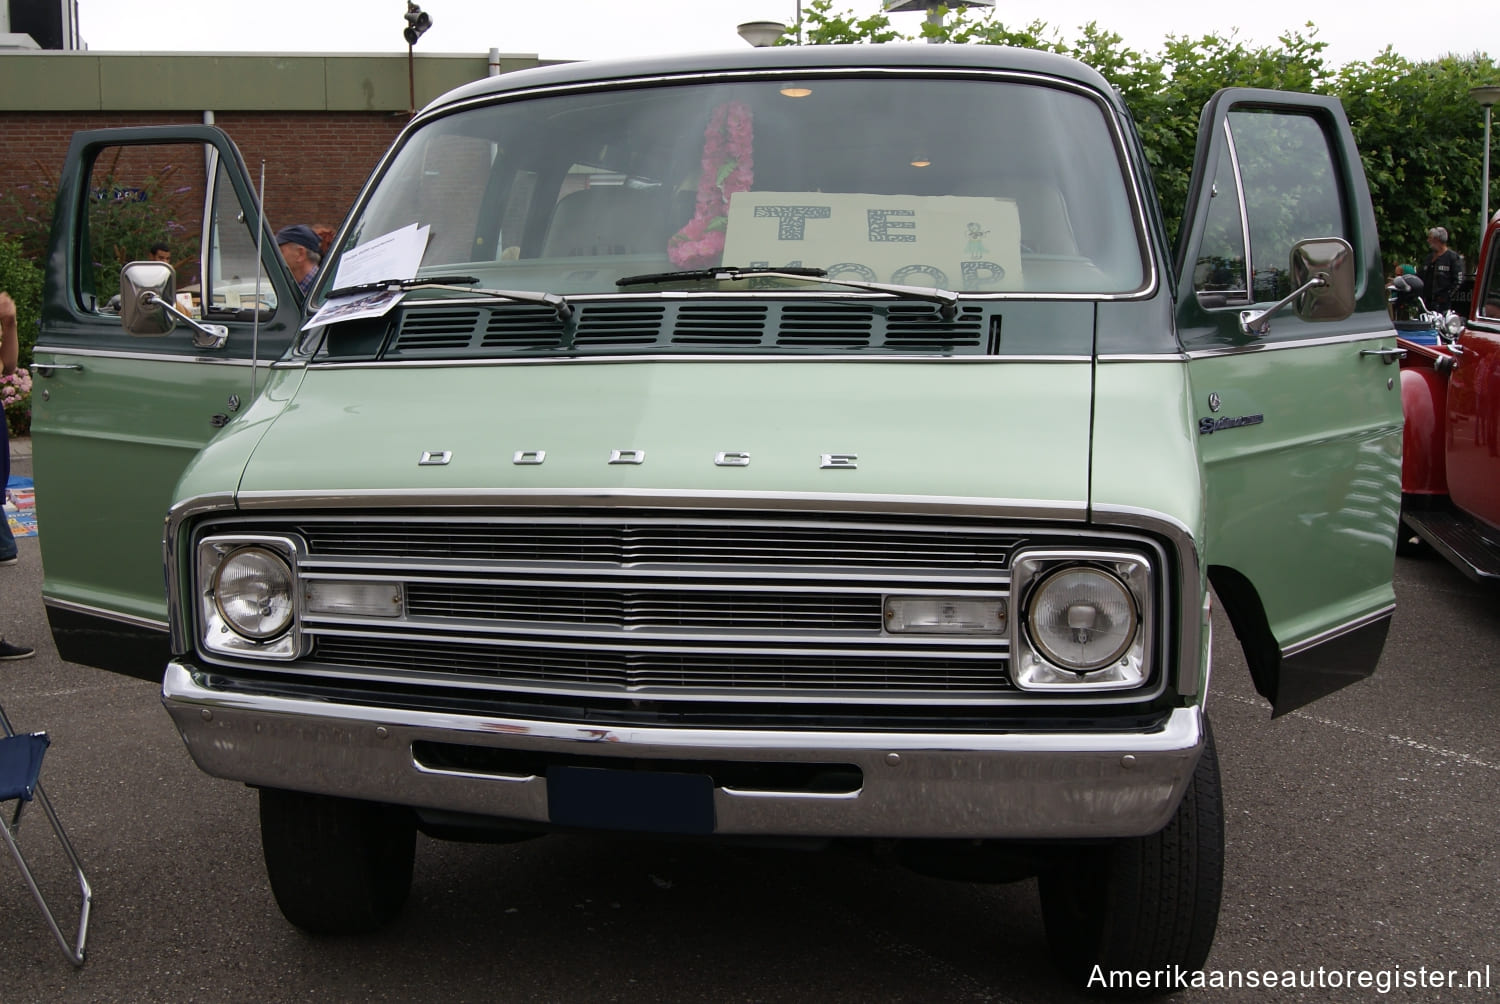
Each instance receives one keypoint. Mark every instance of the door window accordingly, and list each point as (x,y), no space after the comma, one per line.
(1277,182)
(1489,305)
(144,202)
(232,283)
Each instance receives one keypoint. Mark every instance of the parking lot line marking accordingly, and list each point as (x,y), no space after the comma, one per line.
(1466,759)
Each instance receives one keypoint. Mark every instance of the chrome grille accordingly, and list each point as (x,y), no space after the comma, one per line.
(550,539)
(845,677)
(771,610)
(655,605)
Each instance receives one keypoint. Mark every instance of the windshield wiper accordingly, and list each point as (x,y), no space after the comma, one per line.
(946,299)
(384,284)
(723,272)
(447,282)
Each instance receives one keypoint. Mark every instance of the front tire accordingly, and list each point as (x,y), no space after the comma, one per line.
(1146,903)
(336,865)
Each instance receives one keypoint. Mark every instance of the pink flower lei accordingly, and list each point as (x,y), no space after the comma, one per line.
(727,169)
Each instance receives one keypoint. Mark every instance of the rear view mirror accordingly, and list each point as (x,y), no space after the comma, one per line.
(143,285)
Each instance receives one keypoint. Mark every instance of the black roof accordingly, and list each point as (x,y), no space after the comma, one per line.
(945,57)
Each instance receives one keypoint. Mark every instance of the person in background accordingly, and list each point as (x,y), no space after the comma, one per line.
(10,348)
(325,232)
(161,252)
(303,253)
(1441,271)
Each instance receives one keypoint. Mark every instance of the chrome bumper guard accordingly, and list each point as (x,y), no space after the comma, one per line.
(1008,785)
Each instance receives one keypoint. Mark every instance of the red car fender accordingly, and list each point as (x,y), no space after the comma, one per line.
(1424,402)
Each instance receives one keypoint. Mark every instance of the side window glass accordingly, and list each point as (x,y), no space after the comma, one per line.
(144,202)
(1489,307)
(1219,271)
(1290,180)
(233,282)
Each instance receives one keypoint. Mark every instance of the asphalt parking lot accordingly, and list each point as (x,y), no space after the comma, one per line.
(1361,837)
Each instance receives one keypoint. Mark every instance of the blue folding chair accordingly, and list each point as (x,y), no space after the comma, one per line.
(20,772)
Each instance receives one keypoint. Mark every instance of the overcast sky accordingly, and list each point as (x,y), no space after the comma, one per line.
(590,29)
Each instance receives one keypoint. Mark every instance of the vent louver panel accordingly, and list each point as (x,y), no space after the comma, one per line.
(505,329)
(436,329)
(911,328)
(609,326)
(523,327)
(720,325)
(826,327)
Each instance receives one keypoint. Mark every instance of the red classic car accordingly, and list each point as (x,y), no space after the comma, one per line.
(1450,392)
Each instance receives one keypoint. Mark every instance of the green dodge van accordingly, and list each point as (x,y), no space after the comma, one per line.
(802,444)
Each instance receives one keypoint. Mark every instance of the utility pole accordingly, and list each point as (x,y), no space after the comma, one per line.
(934,14)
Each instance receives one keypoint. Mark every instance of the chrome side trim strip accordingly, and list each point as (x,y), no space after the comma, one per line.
(71,351)
(1349,627)
(1141,357)
(104,614)
(615,357)
(1301,343)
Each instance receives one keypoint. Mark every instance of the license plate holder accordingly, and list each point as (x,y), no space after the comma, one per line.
(599,798)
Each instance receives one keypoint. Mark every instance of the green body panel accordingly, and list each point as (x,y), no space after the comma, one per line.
(110,441)
(1145,451)
(1304,504)
(918,428)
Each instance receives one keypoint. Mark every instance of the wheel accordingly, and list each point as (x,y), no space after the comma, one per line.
(337,866)
(1147,903)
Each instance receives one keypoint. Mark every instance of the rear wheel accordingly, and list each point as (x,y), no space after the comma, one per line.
(336,865)
(1147,903)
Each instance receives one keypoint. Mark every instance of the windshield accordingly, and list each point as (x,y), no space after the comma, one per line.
(975,186)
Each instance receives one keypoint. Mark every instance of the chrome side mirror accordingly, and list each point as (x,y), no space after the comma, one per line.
(142,283)
(1331,259)
(1322,274)
(147,291)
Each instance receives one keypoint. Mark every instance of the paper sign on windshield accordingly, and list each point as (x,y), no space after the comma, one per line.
(948,241)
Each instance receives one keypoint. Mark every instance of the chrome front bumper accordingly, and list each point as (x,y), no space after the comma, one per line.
(1011,785)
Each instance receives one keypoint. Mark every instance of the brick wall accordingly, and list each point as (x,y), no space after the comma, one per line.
(315,161)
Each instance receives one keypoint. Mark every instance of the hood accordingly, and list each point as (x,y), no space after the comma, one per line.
(997,431)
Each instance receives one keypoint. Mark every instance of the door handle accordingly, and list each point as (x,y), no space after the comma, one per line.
(47,369)
(1387,356)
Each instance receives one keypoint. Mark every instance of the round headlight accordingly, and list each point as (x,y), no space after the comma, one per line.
(1082,618)
(253,591)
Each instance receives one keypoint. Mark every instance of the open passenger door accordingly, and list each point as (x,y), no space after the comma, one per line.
(117,418)
(1297,397)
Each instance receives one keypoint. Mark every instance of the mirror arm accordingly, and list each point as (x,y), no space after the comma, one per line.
(1257,323)
(205,336)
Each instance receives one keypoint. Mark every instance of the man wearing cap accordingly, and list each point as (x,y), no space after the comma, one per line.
(303,253)
(1441,271)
